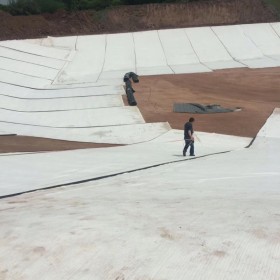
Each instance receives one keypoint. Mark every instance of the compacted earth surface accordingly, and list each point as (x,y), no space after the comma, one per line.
(17,143)
(255,91)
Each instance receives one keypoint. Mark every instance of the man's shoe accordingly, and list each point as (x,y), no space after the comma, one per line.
(184,155)
(192,155)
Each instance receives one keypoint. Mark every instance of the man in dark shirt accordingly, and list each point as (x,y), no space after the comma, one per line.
(188,136)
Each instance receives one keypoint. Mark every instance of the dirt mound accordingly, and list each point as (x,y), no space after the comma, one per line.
(135,18)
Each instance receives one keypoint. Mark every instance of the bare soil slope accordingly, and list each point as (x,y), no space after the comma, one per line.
(136,18)
(11,144)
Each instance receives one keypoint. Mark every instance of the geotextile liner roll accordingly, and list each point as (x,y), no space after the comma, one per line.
(128,87)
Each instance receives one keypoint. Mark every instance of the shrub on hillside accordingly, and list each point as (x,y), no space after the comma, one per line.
(50,6)
(27,7)
(94,4)
(91,4)
(3,7)
(23,7)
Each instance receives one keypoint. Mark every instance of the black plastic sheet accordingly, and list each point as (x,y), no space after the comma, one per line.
(200,109)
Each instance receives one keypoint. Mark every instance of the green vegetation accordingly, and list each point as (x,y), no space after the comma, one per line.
(27,7)
(274,4)
(3,7)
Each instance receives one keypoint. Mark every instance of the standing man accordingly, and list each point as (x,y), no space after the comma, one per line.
(188,136)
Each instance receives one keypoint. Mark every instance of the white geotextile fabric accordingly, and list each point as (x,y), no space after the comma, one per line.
(67,42)
(118,134)
(30,69)
(271,127)
(104,59)
(215,217)
(76,118)
(177,47)
(59,104)
(209,49)
(264,37)
(119,53)
(22,80)
(263,62)
(156,70)
(237,43)
(34,41)
(187,50)
(219,65)
(3,133)
(33,171)
(88,61)
(21,92)
(229,142)
(207,45)
(276,27)
(21,45)
(31,58)
(180,54)
(117,75)
(30,65)
(190,68)
(148,50)
(154,207)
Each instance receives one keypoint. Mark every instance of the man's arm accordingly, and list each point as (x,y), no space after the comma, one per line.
(190,134)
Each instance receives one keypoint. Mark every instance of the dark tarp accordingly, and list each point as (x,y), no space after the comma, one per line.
(199,109)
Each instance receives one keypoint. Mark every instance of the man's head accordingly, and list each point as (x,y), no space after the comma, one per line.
(191,119)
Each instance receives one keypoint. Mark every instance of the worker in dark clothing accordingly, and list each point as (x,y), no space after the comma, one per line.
(188,136)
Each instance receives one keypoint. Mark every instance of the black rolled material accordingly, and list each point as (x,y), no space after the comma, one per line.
(131,75)
(126,77)
(130,93)
(128,87)
(134,77)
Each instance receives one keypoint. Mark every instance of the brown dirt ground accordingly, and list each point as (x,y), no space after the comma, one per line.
(11,144)
(256,91)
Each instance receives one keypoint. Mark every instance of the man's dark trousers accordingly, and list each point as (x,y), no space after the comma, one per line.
(190,143)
